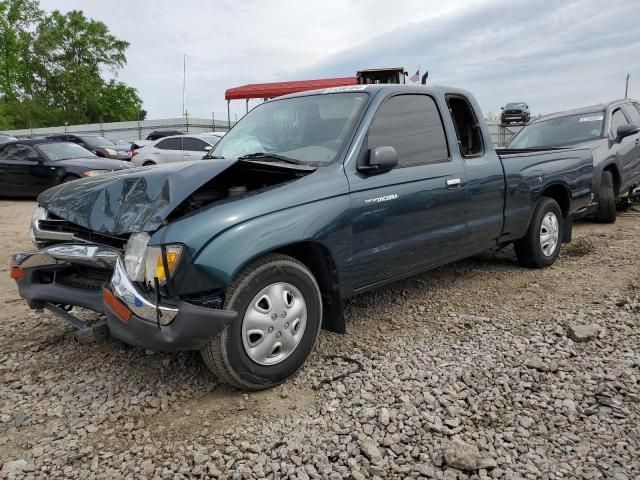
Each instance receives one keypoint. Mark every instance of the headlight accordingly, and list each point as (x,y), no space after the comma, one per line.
(155,263)
(93,173)
(134,255)
(110,151)
(38,214)
(144,263)
(126,153)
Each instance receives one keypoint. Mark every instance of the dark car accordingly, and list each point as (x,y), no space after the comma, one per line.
(28,167)
(96,144)
(158,134)
(309,199)
(517,112)
(612,132)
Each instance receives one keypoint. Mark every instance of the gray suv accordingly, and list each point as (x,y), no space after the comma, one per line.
(612,132)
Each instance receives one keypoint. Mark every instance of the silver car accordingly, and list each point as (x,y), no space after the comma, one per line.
(176,148)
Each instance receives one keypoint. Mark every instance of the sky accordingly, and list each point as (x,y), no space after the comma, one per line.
(552,54)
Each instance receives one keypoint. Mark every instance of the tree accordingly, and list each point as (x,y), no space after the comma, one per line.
(52,69)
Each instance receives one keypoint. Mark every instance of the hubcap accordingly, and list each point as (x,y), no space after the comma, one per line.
(549,234)
(274,323)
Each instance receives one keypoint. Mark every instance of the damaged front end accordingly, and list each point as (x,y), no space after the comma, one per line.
(95,252)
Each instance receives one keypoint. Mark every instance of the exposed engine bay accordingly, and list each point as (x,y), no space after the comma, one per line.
(241,179)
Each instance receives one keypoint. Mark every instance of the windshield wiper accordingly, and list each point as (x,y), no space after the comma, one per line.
(275,156)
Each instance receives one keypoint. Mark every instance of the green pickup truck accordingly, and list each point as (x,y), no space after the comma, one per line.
(311,198)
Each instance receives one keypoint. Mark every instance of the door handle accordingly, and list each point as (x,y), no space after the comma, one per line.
(454,183)
(186,154)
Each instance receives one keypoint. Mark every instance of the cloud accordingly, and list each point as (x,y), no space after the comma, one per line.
(552,54)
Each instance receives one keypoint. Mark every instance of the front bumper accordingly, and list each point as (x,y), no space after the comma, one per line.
(130,315)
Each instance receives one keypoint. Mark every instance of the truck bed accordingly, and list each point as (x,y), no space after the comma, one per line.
(530,172)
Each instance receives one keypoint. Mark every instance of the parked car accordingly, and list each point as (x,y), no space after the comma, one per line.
(28,167)
(95,144)
(612,132)
(313,198)
(517,112)
(176,149)
(4,138)
(158,134)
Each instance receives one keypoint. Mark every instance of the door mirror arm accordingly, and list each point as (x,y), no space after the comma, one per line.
(379,160)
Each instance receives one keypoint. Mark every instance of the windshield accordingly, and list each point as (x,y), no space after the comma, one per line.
(560,131)
(97,141)
(311,129)
(514,105)
(64,151)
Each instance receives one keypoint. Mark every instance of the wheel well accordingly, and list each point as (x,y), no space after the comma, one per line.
(318,259)
(561,195)
(616,177)
(147,163)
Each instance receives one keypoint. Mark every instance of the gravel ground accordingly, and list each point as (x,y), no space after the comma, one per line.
(476,370)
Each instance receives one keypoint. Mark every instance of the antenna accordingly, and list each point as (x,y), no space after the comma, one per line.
(184,82)
(626,87)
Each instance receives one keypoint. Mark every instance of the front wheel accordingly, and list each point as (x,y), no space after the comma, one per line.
(540,247)
(606,212)
(279,318)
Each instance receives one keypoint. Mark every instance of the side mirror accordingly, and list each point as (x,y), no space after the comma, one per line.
(207,148)
(380,160)
(501,108)
(627,130)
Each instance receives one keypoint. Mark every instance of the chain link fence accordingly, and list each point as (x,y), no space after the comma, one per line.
(129,131)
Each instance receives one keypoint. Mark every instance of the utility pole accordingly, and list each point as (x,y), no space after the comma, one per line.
(626,88)
(213,121)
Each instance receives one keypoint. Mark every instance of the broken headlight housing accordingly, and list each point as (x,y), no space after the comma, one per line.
(144,263)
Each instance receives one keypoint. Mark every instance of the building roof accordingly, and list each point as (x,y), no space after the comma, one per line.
(276,89)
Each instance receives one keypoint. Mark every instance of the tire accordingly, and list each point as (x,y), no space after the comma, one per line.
(228,355)
(606,212)
(70,178)
(148,163)
(530,249)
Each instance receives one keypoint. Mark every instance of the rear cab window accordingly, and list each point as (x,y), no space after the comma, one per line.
(413,126)
(468,132)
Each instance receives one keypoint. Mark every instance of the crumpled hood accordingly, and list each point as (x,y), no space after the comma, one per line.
(131,200)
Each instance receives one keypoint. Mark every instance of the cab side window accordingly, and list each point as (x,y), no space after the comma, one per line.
(632,113)
(617,120)
(412,125)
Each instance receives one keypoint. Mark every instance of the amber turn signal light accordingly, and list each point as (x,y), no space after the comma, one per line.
(116,306)
(16,273)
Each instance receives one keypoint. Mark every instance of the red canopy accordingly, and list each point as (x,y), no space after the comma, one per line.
(270,90)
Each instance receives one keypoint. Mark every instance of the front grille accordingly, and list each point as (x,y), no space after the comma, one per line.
(515,112)
(57,225)
(86,278)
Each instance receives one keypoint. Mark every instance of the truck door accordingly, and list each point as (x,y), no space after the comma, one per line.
(485,177)
(414,215)
(633,114)
(626,149)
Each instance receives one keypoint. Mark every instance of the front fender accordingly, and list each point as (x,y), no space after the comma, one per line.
(326,222)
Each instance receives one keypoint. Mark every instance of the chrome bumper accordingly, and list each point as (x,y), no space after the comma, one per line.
(125,290)
(92,256)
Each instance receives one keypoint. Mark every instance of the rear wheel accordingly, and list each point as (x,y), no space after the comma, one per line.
(606,212)
(540,247)
(279,317)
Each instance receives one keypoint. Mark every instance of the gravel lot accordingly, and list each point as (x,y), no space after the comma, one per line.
(476,370)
